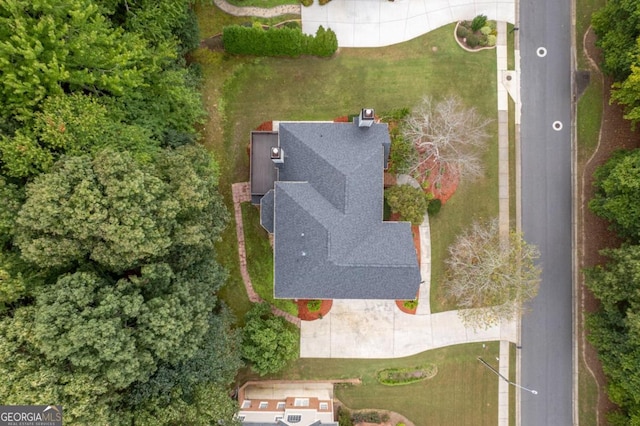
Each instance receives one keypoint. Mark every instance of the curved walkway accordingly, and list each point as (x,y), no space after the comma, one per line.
(261,12)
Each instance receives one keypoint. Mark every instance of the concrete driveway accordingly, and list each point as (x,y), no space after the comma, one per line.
(378,329)
(371,23)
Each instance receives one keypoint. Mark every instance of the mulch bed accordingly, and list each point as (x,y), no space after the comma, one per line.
(306,315)
(615,134)
(447,185)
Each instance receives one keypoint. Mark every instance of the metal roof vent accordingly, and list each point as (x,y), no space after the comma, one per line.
(366,117)
(277,155)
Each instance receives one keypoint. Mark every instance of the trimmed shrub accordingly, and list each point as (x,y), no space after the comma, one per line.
(434,207)
(486,30)
(278,41)
(411,203)
(314,305)
(324,44)
(403,154)
(323,2)
(292,24)
(306,3)
(478,22)
(462,31)
(344,417)
(491,40)
(410,304)
(473,41)
(366,417)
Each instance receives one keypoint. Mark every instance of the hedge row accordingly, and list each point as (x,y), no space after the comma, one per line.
(284,41)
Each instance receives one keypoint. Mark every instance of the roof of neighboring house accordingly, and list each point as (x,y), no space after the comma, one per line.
(325,212)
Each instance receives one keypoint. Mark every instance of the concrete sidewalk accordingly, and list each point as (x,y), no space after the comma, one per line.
(371,23)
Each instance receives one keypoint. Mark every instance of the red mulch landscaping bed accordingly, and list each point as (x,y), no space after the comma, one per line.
(448,182)
(267,126)
(304,313)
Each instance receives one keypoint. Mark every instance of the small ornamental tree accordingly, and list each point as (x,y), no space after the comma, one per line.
(485,273)
(409,202)
(268,343)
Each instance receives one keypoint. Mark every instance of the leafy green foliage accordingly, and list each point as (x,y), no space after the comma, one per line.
(411,203)
(268,343)
(118,213)
(284,41)
(627,92)
(73,124)
(406,375)
(615,329)
(108,281)
(314,305)
(617,26)
(617,196)
(478,22)
(49,46)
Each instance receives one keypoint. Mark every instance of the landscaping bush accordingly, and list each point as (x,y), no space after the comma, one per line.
(434,207)
(324,44)
(306,3)
(292,24)
(314,305)
(366,417)
(410,304)
(473,41)
(462,31)
(486,30)
(344,417)
(411,203)
(278,41)
(405,376)
(323,2)
(403,154)
(491,40)
(478,22)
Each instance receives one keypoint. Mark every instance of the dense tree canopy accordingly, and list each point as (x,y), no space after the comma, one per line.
(268,343)
(615,329)
(617,197)
(617,26)
(108,219)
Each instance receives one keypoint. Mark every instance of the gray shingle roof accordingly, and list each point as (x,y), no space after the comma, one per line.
(330,240)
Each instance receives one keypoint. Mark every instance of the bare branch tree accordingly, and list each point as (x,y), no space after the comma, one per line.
(448,138)
(483,273)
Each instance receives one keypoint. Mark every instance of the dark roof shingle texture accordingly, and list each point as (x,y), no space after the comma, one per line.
(330,240)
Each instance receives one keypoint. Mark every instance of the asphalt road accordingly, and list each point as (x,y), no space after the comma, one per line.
(546,208)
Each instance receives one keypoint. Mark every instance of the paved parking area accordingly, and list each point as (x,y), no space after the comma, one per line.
(370,23)
(378,329)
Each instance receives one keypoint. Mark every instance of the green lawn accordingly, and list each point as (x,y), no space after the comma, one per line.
(241,93)
(260,258)
(462,393)
(589,117)
(386,78)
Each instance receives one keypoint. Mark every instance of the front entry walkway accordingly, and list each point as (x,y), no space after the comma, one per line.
(371,23)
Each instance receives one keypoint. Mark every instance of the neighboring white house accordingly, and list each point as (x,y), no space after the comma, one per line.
(291,403)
